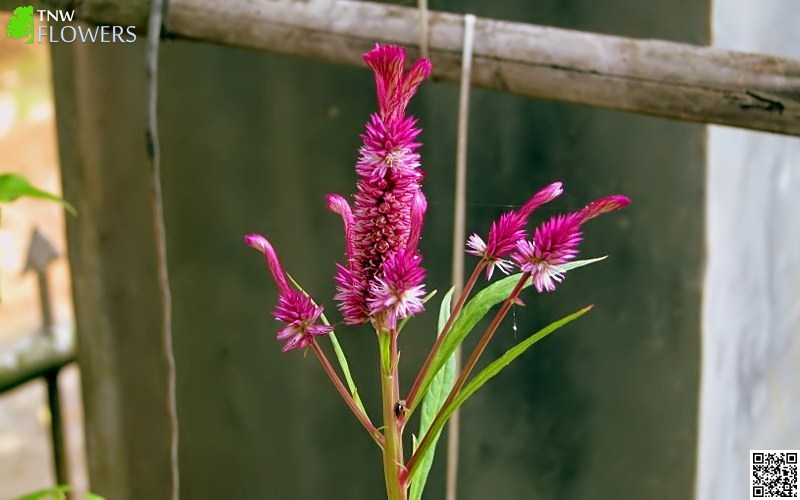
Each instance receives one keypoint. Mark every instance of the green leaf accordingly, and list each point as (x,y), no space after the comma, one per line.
(431,404)
(13,186)
(342,359)
(92,496)
(56,493)
(337,348)
(488,373)
(470,315)
(569,266)
(474,311)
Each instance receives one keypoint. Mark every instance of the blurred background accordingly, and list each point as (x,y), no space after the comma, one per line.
(689,359)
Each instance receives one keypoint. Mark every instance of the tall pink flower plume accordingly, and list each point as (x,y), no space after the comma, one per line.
(384,224)
(555,242)
(508,230)
(294,308)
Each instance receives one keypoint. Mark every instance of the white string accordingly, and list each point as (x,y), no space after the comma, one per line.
(423,28)
(459,229)
(155,23)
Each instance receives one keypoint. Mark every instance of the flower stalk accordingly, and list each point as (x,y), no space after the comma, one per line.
(348,399)
(393,433)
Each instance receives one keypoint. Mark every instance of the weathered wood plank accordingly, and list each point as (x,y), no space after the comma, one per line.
(667,79)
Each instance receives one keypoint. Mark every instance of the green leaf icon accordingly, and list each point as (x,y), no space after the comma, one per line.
(20,25)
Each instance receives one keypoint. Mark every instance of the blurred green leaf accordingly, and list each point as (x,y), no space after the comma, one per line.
(14,186)
(433,400)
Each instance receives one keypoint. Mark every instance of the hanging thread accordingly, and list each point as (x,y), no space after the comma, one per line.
(154,26)
(423,28)
(459,230)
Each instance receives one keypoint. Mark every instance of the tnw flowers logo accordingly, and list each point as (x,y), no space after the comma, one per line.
(22,25)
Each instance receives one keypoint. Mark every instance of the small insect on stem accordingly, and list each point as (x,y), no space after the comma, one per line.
(400,408)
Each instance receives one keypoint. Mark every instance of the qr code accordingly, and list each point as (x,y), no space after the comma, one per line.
(773,474)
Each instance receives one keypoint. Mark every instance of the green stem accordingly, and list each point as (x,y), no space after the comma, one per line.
(393,444)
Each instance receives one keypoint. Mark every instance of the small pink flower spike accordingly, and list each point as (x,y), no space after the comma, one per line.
(339,205)
(400,291)
(263,245)
(294,308)
(507,230)
(555,242)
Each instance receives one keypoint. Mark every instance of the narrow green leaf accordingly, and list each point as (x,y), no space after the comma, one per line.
(569,266)
(92,496)
(337,348)
(488,373)
(13,186)
(433,400)
(342,359)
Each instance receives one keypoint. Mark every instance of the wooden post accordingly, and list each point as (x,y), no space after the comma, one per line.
(100,103)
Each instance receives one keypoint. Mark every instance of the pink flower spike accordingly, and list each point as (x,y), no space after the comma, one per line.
(388,206)
(300,315)
(508,230)
(555,242)
(400,292)
(394,88)
(339,205)
(418,207)
(545,195)
(263,245)
(604,205)
(294,308)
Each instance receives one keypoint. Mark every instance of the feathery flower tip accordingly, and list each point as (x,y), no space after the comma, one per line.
(545,195)
(263,245)
(604,205)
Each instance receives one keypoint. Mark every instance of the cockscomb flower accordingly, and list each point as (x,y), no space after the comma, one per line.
(507,230)
(384,224)
(555,242)
(294,308)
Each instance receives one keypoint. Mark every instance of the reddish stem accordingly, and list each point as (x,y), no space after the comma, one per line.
(468,366)
(360,415)
(413,393)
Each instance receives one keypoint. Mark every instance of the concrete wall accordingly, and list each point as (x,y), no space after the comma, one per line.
(751,314)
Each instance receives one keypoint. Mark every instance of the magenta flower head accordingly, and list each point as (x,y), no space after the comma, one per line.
(508,230)
(555,242)
(382,280)
(294,308)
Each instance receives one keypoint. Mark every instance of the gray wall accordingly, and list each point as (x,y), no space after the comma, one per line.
(751,315)
(606,409)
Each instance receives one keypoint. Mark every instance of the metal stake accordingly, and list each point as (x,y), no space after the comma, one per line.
(40,254)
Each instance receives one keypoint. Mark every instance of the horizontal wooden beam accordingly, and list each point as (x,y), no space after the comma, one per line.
(654,77)
(667,79)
